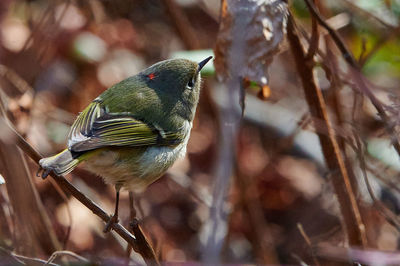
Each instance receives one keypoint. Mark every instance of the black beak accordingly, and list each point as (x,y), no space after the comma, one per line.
(203,63)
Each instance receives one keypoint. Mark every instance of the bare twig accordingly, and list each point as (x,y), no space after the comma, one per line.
(332,72)
(181,24)
(65,253)
(24,87)
(382,41)
(309,244)
(355,73)
(24,260)
(39,236)
(314,39)
(366,257)
(343,49)
(193,190)
(386,212)
(367,14)
(41,22)
(69,214)
(348,205)
(19,83)
(378,174)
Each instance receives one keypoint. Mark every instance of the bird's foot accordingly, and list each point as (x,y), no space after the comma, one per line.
(114,219)
(134,224)
(43,172)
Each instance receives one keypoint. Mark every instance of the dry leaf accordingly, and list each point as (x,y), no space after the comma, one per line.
(249,35)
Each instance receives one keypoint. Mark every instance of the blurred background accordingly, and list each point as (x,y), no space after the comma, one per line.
(278,203)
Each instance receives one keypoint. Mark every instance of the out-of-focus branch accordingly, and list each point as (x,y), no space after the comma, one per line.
(335,36)
(138,242)
(314,38)
(367,14)
(181,24)
(385,211)
(332,72)
(308,242)
(365,257)
(355,71)
(65,253)
(10,258)
(39,237)
(389,35)
(355,229)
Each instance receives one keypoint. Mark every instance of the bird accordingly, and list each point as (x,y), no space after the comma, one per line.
(135,130)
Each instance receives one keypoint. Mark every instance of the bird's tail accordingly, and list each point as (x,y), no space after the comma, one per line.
(61,164)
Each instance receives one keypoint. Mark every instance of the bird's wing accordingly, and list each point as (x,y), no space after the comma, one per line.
(95,129)
(80,129)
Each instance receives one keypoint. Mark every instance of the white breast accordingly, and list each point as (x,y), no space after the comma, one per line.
(156,160)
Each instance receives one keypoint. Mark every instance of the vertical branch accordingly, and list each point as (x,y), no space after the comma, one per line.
(314,39)
(39,237)
(181,24)
(336,84)
(224,169)
(354,226)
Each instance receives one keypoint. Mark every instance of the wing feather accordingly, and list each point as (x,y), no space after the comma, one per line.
(80,129)
(94,129)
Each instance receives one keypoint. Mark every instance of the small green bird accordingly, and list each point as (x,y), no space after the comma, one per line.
(135,130)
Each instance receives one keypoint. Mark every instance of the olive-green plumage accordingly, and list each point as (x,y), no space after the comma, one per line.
(135,130)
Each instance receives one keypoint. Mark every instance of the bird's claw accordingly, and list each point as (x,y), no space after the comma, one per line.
(45,172)
(114,219)
(134,223)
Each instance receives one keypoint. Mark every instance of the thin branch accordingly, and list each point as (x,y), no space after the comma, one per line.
(386,212)
(382,41)
(335,36)
(366,257)
(314,39)
(69,214)
(367,14)
(24,260)
(182,24)
(308,242)
(19,83)
(193,190)
(358,79)
(65,253)
(354,228)
(378,174)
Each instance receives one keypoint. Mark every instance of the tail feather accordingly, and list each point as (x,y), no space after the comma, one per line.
(61,164)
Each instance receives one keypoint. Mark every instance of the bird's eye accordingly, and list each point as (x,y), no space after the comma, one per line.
(190,84)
